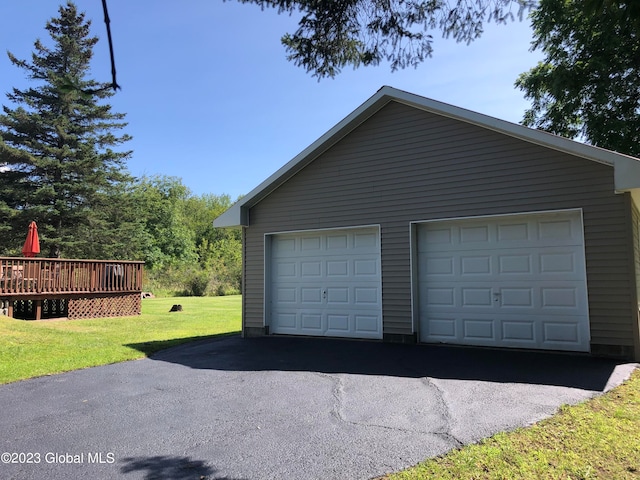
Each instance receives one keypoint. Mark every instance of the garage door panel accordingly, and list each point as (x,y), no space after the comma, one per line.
(337,268)
(326,283)
(559,262)
(310,269)
(440,239)
(523,332)
(443,328)
(367,295)
(558,229)
(548,264)
(310,244)
(442,265)
(339,296)
(337,242)
(559,297)
(296,269)
(479,329)
(337,324)
(504,282)
(366,323)
(283,246)
(310,296)
(506,330)
(286,320)
(475,265)
(286,295)
(366,268)
(483,233)
(521,297)
(516,263)
(285,270)
(513,231)
(517,297)
(433,297)
(474,297)
(311,323)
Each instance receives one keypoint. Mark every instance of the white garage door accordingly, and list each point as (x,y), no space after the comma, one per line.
(326,283)
(508,281)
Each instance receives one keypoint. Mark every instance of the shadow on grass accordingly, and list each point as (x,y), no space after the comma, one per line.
(149,348)
(174,468)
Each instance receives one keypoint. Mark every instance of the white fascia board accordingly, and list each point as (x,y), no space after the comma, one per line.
(626,175)
(231,217)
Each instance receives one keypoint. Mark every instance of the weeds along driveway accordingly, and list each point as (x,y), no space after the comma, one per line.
(280,407)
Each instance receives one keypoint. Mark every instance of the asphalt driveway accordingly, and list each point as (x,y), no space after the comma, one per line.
(281,408)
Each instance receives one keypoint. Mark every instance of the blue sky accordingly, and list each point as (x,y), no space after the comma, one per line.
(211,98)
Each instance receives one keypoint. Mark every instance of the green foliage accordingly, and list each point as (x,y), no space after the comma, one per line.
(57,149)
(629,9)
(162,204)
(184,253)
(332,35)
(588,84)
(197,284)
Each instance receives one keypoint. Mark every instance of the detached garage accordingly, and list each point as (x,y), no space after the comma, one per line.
(413,220)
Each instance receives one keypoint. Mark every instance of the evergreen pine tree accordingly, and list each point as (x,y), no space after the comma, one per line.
(58,165)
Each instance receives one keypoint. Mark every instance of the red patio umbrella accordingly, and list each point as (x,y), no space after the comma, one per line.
(32,244)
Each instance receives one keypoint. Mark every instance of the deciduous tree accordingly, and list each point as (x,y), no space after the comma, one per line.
(183,251)
(588,85)
(161,202)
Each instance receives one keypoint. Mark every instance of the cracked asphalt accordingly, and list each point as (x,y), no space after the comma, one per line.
(278,407)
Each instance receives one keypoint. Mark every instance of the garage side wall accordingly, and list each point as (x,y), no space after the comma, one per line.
(405,165)
(635,235)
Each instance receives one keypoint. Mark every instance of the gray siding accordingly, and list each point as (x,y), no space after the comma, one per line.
(405,165)
(635,235)
(635,215)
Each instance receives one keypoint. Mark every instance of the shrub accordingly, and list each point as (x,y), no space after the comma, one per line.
(197,284)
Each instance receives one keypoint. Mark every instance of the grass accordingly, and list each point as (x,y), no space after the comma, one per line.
(35,348)
(598,439)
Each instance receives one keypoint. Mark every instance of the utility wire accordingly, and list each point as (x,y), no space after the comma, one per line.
(114,84)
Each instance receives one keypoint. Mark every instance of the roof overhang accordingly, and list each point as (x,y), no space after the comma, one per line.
(626,168)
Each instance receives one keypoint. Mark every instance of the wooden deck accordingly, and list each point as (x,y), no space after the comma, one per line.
(79,288)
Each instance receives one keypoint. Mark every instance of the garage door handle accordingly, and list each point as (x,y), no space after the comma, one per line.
(496,296)
(324,294)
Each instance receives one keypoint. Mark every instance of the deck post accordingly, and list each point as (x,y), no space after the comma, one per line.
(38,308)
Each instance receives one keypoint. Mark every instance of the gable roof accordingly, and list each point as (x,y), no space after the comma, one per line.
(626,168)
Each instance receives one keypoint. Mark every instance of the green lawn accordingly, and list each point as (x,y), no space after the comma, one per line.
(35,348)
